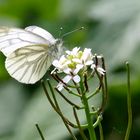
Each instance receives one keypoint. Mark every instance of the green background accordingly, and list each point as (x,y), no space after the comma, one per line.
(112,28)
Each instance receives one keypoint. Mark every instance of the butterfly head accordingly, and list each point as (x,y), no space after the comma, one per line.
(56,49)
(58,42)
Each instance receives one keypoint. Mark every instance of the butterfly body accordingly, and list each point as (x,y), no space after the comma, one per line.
(29,52)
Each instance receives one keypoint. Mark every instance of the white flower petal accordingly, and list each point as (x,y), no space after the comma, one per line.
(75,50)
(55,63)
(99,56)
(60,86)
(67,70)
(67,62)
(89,62)
(93,66)
(67,78)
(62,59)
(76,78)
(68,52)
(76,60)
(86,54)
(53,71)
(78,68)
(101,70)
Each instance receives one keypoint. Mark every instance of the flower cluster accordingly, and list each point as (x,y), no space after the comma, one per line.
(74,63)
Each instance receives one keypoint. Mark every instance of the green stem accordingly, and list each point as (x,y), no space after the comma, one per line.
(71,92)
(89,120)
(95,92)
(129,125)
(101,131)
(67,100)
(79,125)
(40,132)
(87,112)
(57,109)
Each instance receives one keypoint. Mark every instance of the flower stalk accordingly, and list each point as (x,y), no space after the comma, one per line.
(57,109)
(40,132)
(89,120)
(129,125)
(78,67)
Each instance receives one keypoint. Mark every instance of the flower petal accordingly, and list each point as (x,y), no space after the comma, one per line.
(93,66)
(53,71)
(78,68)
(67,78)
(75,50)
(89,62)
(55,63)
(76,78)
(101,70)
(60,86)
(76,60)
(62,59)
(67,70)
(86,54)
(68,52)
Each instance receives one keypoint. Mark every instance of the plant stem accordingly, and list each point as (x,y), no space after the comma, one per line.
(57,109)
(89,120)
(79,125)
(101,131)
(129,125)
(40,132)
(87,112)
(67,100)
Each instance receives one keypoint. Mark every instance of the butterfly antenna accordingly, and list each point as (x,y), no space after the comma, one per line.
(60,32)
(64,35)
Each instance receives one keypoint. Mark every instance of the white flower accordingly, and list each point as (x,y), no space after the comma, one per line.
(66,79)
(98,68)
(73,63)
(74,51)
(61,64)
(84,58)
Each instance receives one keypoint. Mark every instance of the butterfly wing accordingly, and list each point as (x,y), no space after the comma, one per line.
(41,32)
(28,52)
(29,64)
(13,38)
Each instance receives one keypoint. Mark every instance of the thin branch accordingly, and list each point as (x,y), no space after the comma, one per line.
(40,132)
(56,77)
(77,87)
(99,118)
(105,81)
(58,111)
(66,99)
(71,92)
(95,92)
(103,90)
(78,123)
(65,85)
(129,125)
(101,131)
(96,59)
(85,83)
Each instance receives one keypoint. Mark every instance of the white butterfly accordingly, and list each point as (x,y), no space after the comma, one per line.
(29,52)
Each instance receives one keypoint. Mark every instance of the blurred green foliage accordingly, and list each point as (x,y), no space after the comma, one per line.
(112,28)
